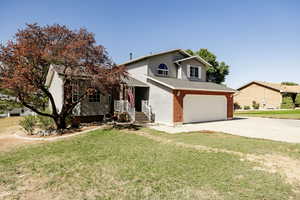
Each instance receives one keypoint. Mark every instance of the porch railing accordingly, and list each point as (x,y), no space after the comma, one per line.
(124,106)
(76,109)
(146,109)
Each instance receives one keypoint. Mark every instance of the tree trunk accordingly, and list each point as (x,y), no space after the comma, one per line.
(60,122)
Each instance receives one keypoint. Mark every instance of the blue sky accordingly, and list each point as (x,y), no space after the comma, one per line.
(259,39)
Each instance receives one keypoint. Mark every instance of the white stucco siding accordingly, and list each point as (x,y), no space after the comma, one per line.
(56,89)
(161,101)
(138,70)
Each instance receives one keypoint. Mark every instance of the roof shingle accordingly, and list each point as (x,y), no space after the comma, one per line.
(179,84)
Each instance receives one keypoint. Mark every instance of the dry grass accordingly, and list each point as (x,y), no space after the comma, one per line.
(9,124)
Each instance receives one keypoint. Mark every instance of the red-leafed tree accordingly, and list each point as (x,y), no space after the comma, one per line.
(25,61)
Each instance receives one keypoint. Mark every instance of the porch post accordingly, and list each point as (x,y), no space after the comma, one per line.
(121,92)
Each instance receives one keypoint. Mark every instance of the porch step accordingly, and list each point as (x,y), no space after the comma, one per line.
(140,117)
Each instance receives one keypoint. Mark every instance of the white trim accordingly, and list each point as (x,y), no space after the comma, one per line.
(179,75)
(164,52)
(167,85)
(188,71)
(196,57)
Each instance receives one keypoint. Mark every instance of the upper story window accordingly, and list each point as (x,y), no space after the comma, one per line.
(95,97)
(162,70)
(194,72)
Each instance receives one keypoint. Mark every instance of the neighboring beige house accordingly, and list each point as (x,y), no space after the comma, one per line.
(268,95)
(168,87)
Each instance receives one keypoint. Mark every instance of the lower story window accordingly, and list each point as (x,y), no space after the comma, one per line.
(95,97)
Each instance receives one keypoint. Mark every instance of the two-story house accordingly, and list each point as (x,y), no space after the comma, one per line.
(173,83)
(168,87)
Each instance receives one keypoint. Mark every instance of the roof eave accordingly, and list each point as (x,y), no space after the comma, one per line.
(193,89)
(156,54)
(194,57)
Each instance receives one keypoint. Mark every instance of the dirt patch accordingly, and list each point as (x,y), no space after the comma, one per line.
(9,142)
(276,163)
(14,137)
(273,163)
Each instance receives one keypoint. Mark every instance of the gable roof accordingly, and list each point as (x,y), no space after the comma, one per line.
(132,82)
(179,84)
(274,86)
(165,52)
(198,58)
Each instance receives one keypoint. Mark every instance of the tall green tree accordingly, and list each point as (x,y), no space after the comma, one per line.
(218,70)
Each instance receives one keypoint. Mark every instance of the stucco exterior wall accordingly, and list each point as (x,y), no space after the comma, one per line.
(184,66)
(262,95)
(56,89)
(161,101)
(139,70)
(167,59)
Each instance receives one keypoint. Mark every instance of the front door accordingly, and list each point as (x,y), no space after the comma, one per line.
(141,93)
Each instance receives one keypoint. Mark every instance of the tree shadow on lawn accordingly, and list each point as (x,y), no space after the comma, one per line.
(125,126)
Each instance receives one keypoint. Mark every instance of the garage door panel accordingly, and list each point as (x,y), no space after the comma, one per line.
(200,108)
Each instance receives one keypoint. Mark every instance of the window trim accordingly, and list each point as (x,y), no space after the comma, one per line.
(164,72)
(95,98)
(190,71)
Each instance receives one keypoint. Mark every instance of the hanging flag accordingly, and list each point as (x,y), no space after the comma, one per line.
(131,97)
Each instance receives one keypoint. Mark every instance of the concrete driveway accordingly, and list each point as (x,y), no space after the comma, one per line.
(284,130)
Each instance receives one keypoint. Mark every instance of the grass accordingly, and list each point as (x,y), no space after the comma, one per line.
(110,164)
(8,123)
(233,143)
(281,114)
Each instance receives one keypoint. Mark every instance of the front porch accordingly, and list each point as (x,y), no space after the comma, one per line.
(134,100)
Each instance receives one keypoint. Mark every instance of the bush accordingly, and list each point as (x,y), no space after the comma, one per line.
(255,105)
(297,101)
(124,117)
(246,107)
(28,124)
(236,106)
(45,123)
(287,103)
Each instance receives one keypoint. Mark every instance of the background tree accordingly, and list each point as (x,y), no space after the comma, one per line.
(218,71)
(7,101)
(289,83)
(26,60)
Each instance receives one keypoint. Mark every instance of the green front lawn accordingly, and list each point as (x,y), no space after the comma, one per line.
(113,164)
(281,114)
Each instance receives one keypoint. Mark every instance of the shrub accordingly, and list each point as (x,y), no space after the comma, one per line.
(287,103)
(45,123)
(123,117)
(255,105)
(297,101)
(246,107)
(28,124)
(236,106)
